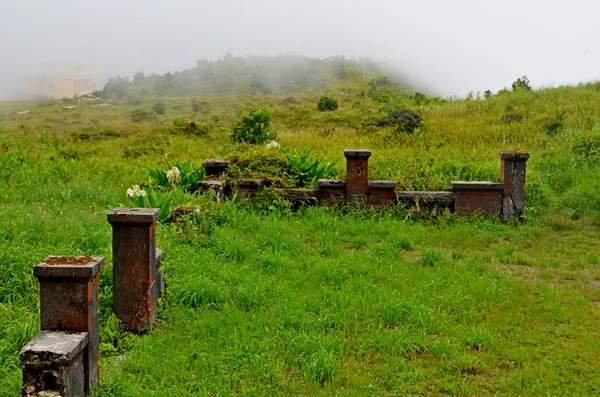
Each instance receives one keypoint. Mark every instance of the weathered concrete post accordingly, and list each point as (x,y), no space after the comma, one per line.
(357,171)
(214,168)
(137,276)
(512,174)
(68,345)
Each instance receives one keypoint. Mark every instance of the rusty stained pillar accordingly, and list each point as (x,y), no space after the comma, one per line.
(357,175)
(512,175)
(137,277)
(69,303)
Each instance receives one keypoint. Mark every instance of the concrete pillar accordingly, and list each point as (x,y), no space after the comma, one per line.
(69,303)
(512,175)
(137,277)
(357,171)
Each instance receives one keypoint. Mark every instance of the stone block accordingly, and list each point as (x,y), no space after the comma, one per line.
(381,193)
(217,186)
(214,168)
(471,197)
(246,189)
(301,198)
(332,192)
(69,302)
(53,364)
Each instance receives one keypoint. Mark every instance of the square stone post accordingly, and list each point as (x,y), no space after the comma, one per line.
(69,303)
(512,175)
(137,277)
(214,168)
(332,192)
(381,193)
(357,175)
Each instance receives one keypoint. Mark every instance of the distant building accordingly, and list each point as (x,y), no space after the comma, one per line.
(63,83)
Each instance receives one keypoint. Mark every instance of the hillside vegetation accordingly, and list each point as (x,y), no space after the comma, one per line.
(263,301)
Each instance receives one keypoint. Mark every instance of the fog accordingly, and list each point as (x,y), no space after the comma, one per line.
(453,47)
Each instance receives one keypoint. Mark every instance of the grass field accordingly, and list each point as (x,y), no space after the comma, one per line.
(262,301)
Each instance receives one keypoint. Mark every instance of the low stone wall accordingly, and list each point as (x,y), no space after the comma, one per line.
(504,199)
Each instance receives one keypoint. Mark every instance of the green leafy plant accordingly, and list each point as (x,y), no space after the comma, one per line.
(253,127)
(182,175)
(305,169)
(146,197)
(327,104)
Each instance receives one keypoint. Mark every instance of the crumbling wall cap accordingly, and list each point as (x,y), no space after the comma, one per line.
(331,183)
(514,156)
(68,267)
(299,193)
(357,153)
(251,182)
(479,185)
(386,184)
(214,163)
(212,183)
(133,215)
(428,196)
(55,346)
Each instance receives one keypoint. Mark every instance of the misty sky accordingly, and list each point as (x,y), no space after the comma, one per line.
(453,46)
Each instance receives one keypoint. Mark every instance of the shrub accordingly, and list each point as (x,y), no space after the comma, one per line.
(327,104)
(512,118)
(253,127)
(306,170)
(588,145)
(180,175)
(182,126)
(140,115)
(159,108)
(404,121)
(521,83)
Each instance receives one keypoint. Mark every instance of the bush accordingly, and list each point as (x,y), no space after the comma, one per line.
(588,145)
(253,127)
(159,108)
(521,83)
(404,121)
(327,104)
(512,118)
(182,126)
(140,115)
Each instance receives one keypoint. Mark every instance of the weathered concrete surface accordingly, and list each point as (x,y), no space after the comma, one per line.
(381,193)
(69,302)
(470,197)
(217,186)
(301,198)
(332,192)
(513,173)
(357,175)
(134,266)
(53,364)
(214,168)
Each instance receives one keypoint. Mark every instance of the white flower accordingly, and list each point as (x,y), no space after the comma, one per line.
(273,145)
(174,175)
(136,191)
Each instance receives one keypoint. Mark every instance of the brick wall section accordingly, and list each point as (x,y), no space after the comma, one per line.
(381,193)
(69,302)
(484,197)
(137,277)
(357,175)
(332,192)
(512,174)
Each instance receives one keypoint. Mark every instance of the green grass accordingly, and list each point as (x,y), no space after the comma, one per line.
(268,302)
